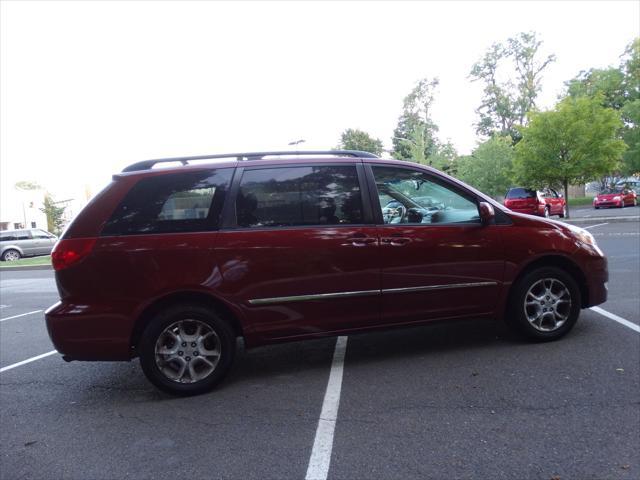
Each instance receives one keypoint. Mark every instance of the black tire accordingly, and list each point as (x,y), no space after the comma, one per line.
(517,316)
(197,315)
(11,255)
(564,212)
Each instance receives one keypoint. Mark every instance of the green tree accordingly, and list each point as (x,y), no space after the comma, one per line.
(354,139)
(416,120)
(54,213)
(619,88)
(576,142)
(505,104)
(490,167)
(27,185)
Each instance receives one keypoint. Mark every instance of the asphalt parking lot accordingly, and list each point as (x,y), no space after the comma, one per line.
(465,400)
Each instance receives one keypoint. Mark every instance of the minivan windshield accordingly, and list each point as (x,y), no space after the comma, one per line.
(521,193)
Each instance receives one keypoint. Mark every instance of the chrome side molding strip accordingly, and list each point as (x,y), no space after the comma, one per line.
(439,287)
(318,296)
(364,293)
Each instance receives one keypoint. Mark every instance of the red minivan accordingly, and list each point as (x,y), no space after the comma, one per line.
(172,264)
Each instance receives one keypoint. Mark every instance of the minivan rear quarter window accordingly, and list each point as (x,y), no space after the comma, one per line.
(172,203)
(299,196)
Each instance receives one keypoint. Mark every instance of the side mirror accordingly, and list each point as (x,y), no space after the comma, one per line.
(487,214)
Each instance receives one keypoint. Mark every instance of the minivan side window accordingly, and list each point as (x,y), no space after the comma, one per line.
(299,196)
(172,203)
(412,197)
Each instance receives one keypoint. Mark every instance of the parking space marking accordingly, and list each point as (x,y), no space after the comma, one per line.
(594,226)
(616,318)
(21,315)
(28,360)
(320,459)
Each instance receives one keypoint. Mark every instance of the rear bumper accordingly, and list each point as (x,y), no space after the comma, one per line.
(89,332)
(539,211)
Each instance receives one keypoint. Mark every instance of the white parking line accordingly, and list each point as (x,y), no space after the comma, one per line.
(21,315)
(594,226)
(612,316)
(318,468)
(28,360)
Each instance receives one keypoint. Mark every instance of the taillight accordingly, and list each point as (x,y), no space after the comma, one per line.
(68,252)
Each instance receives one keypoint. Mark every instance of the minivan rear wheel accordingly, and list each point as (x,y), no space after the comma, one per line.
(187,350)
(545,304)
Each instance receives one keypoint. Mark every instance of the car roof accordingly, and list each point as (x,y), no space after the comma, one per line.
(289,159)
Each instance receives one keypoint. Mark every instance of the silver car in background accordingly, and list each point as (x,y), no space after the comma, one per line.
(27,242)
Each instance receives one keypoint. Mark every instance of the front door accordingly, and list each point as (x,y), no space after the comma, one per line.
(300,257)
(437,259)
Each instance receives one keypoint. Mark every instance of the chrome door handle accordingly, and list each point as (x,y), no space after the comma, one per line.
(361,241)
(396,241)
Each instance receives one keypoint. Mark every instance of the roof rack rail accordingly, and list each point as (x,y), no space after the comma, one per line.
(147,164)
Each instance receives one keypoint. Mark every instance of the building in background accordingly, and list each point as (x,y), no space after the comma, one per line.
(21,209)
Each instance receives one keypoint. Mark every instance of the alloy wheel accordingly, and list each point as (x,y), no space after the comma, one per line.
(547,304)
(11,256)
(187,351)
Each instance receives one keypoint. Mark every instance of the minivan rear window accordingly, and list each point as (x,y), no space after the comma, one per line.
(172,203)
(521,193)
(298,196)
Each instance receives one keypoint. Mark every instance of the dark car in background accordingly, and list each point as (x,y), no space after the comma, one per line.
(172,264)
(543,203)
(15,244)
(619,197)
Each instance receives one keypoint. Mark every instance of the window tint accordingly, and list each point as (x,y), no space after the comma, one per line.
(23,235)
(183,202)
(289,196)
(413,197)
(521,193)
(7,237)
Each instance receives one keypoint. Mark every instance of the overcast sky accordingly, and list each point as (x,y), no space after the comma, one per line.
(89,87)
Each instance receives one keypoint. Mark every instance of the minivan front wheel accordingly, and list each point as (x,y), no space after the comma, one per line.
(187,350)
(545,304)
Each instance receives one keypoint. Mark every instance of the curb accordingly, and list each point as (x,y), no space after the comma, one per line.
(602,219)
(26,267)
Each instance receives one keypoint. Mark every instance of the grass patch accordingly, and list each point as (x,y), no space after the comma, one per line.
(580,201)
(28,262)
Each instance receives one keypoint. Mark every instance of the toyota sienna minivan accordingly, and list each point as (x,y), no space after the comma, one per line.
(176,258)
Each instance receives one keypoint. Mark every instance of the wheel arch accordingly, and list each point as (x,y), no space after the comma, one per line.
(188,297)
(553,260)
(11,247)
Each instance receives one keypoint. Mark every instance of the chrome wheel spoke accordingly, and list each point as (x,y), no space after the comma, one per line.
(547,304)
(188,351)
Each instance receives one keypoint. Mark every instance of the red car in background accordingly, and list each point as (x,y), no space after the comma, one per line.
(615,197)
(543,203)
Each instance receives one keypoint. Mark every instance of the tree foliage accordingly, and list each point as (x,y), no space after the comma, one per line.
(416,120)
(354,139)
(506,103)
(619,89)
(576,142)
(27,185)
(54,213)
(489,167)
